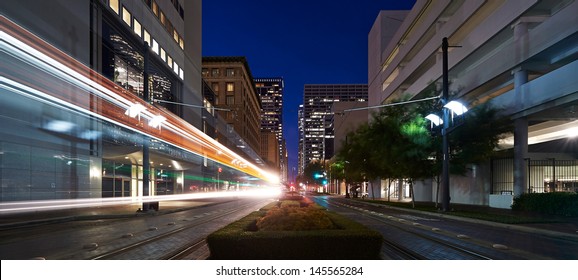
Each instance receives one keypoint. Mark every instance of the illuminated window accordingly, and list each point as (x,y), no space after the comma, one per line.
(230,72)
(155,46)
(181,74)
(128,77)
(176,36)
(181,43)
(230,87)
(137,27)
(113,4)
(215,87)
(175,67)
(163,55)
(126,16)
(169,61)
(155,8)
(162,18)
(147,37)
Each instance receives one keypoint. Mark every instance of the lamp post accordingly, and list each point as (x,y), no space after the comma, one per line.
(446,122)
(456,108)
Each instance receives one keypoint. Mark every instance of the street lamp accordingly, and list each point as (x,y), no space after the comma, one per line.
(457,109)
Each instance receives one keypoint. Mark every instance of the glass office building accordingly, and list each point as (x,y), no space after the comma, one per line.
(68,132)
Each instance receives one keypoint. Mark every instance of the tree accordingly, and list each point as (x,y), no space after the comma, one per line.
(397,144)
(476,139)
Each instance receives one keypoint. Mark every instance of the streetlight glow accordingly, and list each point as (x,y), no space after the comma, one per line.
(435,119)
(456,107)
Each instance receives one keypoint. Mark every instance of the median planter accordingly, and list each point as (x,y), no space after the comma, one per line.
(345,239)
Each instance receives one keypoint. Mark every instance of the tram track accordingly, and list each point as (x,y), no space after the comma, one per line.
(405,240)
(185,252)
(162,245)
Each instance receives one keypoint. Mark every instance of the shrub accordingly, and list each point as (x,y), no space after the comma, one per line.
(293,217)
(350,241)
(289,203)
(557,203)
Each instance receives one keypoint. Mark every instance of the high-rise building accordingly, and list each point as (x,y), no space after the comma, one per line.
(318,130)
(270,90)
(232,82)
(301,129)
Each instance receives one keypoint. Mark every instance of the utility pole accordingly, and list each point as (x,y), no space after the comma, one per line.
(445,130)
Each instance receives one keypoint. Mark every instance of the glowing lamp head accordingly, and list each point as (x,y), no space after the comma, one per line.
(456,107)
(435,119)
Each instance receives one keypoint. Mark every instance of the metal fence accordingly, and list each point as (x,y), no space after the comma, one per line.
(502,175)
(550,175)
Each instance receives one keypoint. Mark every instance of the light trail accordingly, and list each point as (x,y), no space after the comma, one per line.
(19,43)
(59,204)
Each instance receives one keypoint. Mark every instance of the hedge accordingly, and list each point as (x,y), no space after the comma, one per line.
(240,241)
(556,203)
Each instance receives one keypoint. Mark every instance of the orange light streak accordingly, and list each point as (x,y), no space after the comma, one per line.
(106,100)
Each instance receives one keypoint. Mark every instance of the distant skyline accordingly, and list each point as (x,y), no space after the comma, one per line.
(305,42)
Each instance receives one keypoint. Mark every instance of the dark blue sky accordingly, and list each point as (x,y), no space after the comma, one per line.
(303,41)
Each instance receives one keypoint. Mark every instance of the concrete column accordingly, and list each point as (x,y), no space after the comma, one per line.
(520,156)
(520,138)
(521,39)
(520,124)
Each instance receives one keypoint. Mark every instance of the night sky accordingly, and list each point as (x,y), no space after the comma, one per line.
(303,41)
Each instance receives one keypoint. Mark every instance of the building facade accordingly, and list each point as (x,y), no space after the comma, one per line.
(318,129)
(270,91)
(515,55)
(232,81)
(110,102)
(301,128)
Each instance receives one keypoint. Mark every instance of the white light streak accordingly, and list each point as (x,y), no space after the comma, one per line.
(49,205)
(156,121)
(135,110)
(42,61)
